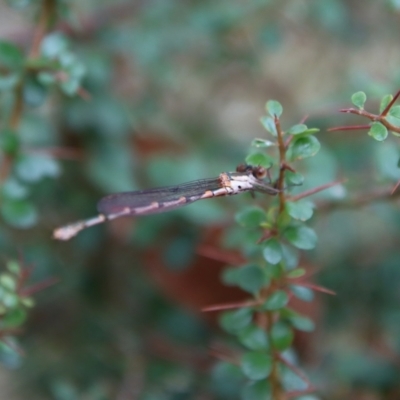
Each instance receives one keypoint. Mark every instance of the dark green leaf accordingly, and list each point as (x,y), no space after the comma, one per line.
(301,210)
(301,237)
(302,293)
(235,321)
(274,108)
(290,257)
(302,323)
(34,93)
(259,390)
(272,251)
(378,131)
(385,102)
(18,213)
(251,217)
(227,379)
(281,335)
(251,278)
(13,318)
(294,178)
(261,159)
(359,99)
(11,58)
(269,124)
(32,168)
(277,300)
(297,129)
(9,141)
(256,365)
(304,147)
(254,338)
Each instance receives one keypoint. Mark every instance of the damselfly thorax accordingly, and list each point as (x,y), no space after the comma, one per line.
(144,202)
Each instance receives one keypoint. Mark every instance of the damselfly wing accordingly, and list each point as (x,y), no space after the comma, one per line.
(144,202)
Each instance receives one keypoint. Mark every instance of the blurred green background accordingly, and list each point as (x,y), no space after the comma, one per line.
(176,91)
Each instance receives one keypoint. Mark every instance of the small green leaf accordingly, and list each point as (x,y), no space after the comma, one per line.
(9,141)
(236,321)
(302,323)
(301,237)
(301,210)
(53,45)
(385,102)
(13,189)
(256,365)
(18,213)
(378,131)
(359,99)
(394,121)
(251,278)
(13,318)
(254,338)
(276,301)
(8,281)
(281,335)
(262,143)
(274,108)
(32,168)
(302,293)
(297,129)
(272,251)
(11,57)
(294,178)
(296,273)
(251,217)
(258,390)
(395,111)
(304,147)
(261,159)
(290,257)
(269,125)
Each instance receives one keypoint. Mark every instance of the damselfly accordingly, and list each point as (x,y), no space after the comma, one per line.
(143,202)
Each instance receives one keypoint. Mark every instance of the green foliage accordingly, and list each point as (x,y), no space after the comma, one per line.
(359,99)
(256,365)
(378,131)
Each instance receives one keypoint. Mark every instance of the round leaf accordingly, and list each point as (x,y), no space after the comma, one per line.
(256,365)
(19,213)
(301,210)
(257,390)
(277,300)
(269,125)
(251,278)
(32,168)
(358,99)
(251,217)
(378,131)
(262,159)
(274,108)
(304,147)
(11,58)
(235,321)
(294,178)
(302,293)
(281,335)
(302,323)
(254,338)
(272,251)
(301,237)
(297,129)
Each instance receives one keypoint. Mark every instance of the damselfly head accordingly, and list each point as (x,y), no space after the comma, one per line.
(257,171)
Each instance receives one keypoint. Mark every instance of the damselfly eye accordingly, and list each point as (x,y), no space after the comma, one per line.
(259,172)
